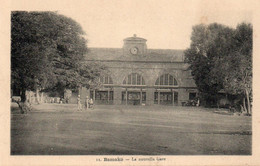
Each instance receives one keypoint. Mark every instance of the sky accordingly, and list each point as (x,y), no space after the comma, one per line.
(166,24)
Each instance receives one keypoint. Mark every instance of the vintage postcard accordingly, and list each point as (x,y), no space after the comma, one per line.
(130,82)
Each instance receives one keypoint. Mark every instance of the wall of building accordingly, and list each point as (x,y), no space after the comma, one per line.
(150,71)
(150,67)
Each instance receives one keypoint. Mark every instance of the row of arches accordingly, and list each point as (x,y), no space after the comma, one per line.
(137,79)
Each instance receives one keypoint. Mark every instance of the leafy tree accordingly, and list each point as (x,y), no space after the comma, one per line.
(47,50)
(237,67)
(209,44)
(221,59)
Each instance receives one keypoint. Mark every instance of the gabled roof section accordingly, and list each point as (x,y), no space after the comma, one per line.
(104,53)
(171,55)
(154,55)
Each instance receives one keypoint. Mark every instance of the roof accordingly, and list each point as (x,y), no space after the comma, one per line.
(155,55)
(134,38)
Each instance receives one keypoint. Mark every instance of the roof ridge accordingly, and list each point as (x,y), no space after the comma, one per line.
(102,53)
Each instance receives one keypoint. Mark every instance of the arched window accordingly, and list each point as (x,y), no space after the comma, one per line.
(134,79)
(105,80)
(166,79)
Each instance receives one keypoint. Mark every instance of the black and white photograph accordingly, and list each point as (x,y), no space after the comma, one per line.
(131,81)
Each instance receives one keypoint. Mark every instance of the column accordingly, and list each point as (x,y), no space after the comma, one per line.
(183,96)
(126,98)
(173,98)
(117,95)
(159,97)
(108,96)
(150,96)
(141,97)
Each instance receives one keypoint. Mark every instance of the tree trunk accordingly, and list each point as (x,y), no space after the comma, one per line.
(41,98)
(37,96)
(248,103)
(244,104)
(21,104)
(23,96)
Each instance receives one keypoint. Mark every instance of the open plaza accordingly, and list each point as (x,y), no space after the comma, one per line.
(59,129)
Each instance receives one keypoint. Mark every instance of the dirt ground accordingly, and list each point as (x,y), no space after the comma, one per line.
(59,129)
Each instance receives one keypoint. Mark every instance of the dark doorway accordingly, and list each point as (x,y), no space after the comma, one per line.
(192,96)
(102,97)
(166,98)
(133,98)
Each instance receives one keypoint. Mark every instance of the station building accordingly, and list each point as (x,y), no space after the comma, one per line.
(138,75)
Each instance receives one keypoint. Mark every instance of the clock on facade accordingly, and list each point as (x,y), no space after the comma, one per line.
(134,50)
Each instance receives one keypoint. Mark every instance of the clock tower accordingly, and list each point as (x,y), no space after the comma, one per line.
(135,46)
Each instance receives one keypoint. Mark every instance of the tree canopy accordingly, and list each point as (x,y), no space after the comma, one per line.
(218,57)
(47,50)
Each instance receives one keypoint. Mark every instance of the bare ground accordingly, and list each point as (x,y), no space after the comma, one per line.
(59,129)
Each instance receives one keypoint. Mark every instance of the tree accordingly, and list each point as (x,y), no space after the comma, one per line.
(220,58)
(209,44)
(237,67)
(47,50)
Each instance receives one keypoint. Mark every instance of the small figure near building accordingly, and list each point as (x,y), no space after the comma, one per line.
(198,103)
(52,100)
(91,103)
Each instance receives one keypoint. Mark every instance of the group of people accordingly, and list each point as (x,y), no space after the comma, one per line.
(88,103)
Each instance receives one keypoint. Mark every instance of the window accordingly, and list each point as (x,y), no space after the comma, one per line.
(161,80)
(138,79)
(166,79)
(129,79)
(157,82)
(134,79)
(171,80)
(105,80)
(192,95)
(175,82)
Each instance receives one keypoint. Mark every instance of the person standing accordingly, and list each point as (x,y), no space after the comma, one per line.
(198,103)
(91,103)
(79,104)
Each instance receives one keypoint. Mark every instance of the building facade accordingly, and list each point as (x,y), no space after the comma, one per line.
(141,76)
